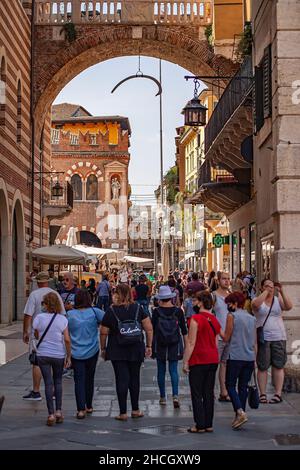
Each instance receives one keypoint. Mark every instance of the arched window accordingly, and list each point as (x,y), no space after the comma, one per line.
(77,187)
(19,112)
(2,91)
(92,188)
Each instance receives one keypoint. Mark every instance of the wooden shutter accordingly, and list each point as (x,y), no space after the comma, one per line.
(267,82)
(258,99)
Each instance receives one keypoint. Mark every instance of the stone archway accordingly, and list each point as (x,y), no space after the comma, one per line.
(5,256)
(18,257)
(64,60)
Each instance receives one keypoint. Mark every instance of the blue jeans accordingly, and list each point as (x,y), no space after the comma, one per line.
(52,370)
(103,302)
(161,377)
(238,373)
(84,373)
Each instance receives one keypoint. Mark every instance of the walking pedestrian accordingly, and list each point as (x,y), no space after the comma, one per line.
(221,311)
(33,308)
(268,307)
(103,293)
(240,333)
(169,327)
(53,352)
(188,306)
(142,291)
(69,290)
(200,361)
(180,291)
(126,351)
(84,321)
(195,285)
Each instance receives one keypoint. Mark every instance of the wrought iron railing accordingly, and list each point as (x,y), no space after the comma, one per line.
(210,174)
(124,11)
(234,95)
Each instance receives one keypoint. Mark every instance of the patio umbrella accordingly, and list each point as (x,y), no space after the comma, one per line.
(165,260)
(59,254)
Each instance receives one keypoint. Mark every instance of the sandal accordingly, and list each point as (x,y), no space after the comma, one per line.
(139,414)
(209,429)
(263,398)
(224,398)
(81,414)
(51,421)
(121,417)
(89,411)
(276,399)
(195,430)
(59,418)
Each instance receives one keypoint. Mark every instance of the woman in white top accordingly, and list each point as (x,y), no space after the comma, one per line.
(273,351)
(53,352)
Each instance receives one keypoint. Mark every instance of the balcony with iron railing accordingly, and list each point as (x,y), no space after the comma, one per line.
(125,11)
(235,94)
(210,174)
(58,207)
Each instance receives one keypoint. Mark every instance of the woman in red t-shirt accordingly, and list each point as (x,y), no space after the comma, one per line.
(201,361)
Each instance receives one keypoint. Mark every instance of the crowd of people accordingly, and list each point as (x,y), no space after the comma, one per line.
(214,325)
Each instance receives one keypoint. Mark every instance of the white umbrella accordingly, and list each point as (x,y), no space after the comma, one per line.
(94,251)
(59,254)
(136,259)
(165,260)
(71,237)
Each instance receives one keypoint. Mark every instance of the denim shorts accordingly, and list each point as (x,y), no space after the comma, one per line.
(223,349)
(271,353)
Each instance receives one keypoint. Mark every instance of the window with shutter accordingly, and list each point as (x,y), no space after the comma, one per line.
(267,82)
(258,99)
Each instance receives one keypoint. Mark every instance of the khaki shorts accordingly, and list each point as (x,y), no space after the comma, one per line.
(223,349)
(271,353)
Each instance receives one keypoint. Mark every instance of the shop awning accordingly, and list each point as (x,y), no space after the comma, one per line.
(189,255)
(136,259)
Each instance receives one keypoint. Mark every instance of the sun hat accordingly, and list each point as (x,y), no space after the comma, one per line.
(43,276)
(165,293)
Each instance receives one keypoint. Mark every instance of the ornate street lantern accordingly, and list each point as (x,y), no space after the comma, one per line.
(57,190)
(194,112)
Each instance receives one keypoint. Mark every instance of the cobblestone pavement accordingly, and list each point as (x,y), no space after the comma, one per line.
(22,424)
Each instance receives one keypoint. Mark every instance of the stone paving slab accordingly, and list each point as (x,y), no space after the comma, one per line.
(22,424)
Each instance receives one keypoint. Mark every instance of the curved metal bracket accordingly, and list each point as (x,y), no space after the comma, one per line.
(140,75)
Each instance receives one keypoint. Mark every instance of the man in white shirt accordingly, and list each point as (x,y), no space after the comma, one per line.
(32,308)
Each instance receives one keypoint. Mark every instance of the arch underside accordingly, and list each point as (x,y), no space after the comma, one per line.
(89,50)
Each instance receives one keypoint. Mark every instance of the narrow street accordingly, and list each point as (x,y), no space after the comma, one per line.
(22,424)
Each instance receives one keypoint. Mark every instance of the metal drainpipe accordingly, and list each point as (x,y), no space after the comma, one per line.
(32,124)
(41,148)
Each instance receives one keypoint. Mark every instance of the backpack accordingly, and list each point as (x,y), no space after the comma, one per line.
(167,328)
(129,331)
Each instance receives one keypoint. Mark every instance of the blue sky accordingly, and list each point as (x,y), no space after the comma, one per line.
(136,100)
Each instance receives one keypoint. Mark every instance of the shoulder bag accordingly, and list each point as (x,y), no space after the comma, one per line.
(260,329)
(33,354)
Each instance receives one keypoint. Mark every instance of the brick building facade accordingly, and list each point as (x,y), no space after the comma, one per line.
(21,222)
(92,152)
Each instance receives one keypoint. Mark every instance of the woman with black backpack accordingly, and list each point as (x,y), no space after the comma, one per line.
(122,342)
(169,327)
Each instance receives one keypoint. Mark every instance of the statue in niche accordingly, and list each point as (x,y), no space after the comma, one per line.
(115,188)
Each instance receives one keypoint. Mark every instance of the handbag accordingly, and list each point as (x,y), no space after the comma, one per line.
(33,355)
(260,329)
(129,331)
(253,394)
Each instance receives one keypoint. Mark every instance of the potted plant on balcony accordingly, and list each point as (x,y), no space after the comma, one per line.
(245,44)
(70,31)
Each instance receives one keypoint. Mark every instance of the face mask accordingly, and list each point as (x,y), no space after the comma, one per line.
(231,309)
(196,308)
(44,309)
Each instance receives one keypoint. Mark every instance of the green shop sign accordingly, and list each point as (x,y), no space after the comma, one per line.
(219,240)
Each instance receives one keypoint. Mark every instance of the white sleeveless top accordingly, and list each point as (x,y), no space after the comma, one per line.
(274,329)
